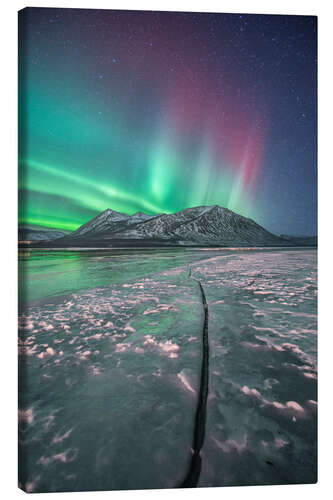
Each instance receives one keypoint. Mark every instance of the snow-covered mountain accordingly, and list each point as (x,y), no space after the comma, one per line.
(106,220)
(212,225)
(203,225)
(109,222)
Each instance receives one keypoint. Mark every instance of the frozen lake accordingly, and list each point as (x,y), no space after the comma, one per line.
(110,349)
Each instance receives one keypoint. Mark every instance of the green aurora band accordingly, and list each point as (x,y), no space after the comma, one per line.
(79,164)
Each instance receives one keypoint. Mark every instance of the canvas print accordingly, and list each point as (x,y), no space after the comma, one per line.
(167,249)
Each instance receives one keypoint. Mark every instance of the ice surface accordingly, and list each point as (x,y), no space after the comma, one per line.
(110,357)
(261,414)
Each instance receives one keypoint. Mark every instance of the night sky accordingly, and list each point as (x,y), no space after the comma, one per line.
(157,112)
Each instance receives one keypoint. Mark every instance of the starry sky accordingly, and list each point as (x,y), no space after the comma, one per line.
(160,111)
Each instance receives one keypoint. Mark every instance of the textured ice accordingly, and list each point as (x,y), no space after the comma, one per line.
(109,373)
(261,416)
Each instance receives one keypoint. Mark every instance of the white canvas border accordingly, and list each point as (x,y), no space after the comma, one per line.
(8,288)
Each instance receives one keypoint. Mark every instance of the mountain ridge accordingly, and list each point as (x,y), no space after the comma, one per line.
(203,225)
(194,226)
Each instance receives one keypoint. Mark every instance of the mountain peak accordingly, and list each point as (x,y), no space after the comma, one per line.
(218,208)
(109,211)
(138,214)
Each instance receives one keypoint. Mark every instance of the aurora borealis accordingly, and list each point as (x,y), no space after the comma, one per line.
(156,112)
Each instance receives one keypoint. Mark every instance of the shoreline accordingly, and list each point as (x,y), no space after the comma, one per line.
(179,247)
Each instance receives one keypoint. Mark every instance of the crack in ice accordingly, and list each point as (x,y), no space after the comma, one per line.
(192,478)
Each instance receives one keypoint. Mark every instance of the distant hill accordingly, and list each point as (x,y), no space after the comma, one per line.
(28,234)
(301,240)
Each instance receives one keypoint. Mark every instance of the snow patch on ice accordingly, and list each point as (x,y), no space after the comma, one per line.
(182,377)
